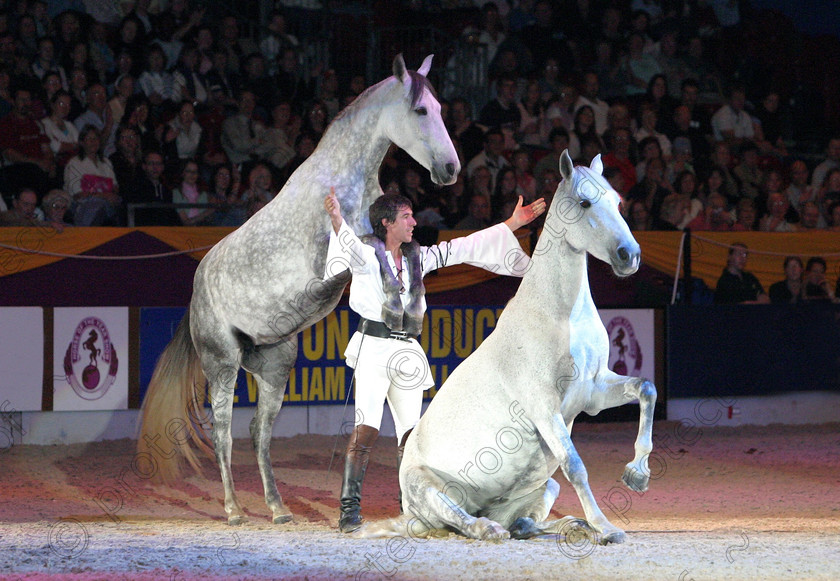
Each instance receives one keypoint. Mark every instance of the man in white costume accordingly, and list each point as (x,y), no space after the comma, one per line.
(387,291)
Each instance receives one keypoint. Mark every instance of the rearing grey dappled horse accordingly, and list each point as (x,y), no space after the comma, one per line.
(481,458)
(262,284)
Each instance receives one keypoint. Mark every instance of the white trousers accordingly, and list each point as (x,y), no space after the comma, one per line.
(388,370)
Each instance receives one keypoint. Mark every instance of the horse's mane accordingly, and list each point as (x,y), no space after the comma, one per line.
(418,83)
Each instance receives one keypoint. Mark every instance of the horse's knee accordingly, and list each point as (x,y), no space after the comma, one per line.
(575,471)
(647,390)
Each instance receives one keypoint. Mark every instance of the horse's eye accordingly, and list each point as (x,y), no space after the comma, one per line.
(585,204)
(421,111)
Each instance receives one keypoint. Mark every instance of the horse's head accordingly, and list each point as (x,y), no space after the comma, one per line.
(585,212)
(417,126)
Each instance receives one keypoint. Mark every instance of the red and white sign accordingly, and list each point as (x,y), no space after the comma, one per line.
(21,359)
(90,358)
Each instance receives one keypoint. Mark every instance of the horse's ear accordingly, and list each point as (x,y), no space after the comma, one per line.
(566,165)
(427,64)
(399,68)
(597,165)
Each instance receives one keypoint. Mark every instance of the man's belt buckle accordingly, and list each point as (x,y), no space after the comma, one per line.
(400,336)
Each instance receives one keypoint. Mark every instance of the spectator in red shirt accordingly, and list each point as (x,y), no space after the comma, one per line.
(619,156)
(29,161)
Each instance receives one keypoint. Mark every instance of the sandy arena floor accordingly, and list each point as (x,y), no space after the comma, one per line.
(726,503)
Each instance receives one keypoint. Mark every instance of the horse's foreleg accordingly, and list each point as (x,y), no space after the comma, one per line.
(222,381)
(439,505)
(271,365)
(559,441)
(616,391)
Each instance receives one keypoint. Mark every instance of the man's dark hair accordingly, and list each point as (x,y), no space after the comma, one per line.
(386,206)
(816,260)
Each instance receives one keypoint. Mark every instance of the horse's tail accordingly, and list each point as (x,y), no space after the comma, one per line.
(172,409)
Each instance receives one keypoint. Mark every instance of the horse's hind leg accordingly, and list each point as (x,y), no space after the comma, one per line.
(271,365)
(617,390)
(221,375)
(426,498)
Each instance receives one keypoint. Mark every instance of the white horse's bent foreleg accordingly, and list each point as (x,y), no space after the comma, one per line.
(618,390)
(558,439)
(427,499)
(271,365)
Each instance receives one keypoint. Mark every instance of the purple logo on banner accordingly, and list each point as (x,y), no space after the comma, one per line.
(624,348)
(89,350)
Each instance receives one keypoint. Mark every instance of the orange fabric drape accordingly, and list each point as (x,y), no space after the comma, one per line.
(767,252)
(660,250)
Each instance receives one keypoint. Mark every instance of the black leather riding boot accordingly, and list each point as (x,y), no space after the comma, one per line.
(400,450)
(355,464)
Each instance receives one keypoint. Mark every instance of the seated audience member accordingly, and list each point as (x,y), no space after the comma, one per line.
(749,174)
(465,129)
(731,123)
(831,161)
(156,82)
(834,217)
(638,216)
(816,287)
(89,177)
(672,212)
(55,206)
(774,220)
(737,285)
(260,190)
(652,189)
(98,115)
(137,116)
(745,216)
(224,192)
(505,196)
(830,191)
(28,160)
(619,155)
(714,216)
(810,218)
(492,157)
(183,138)
(242,133)
(649,148)
(798,191)
(189,191)
(789,290)
(558,139)
(127,159)
(23,212)
(478,216)
(64,137)
(152,190)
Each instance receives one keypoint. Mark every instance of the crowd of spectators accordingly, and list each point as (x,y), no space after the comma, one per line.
(174,106)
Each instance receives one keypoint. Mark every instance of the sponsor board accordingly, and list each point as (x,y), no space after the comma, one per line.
(21,359)
(90,362)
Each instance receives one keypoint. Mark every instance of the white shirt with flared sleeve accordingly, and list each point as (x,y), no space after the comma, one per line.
(495,249)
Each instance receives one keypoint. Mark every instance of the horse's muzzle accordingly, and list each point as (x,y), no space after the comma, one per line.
(444,175)
(626,260)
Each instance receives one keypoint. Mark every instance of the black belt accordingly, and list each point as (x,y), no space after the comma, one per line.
(381,330)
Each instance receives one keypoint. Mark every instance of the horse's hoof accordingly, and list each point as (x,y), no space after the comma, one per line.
(489,530)
(634,479)
(614,537)
(523,528)
(279,519)
(237,520)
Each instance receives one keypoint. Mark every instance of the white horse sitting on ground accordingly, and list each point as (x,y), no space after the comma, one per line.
(481,459)
(262,284)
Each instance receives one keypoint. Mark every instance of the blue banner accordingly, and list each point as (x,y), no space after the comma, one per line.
(320,375)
